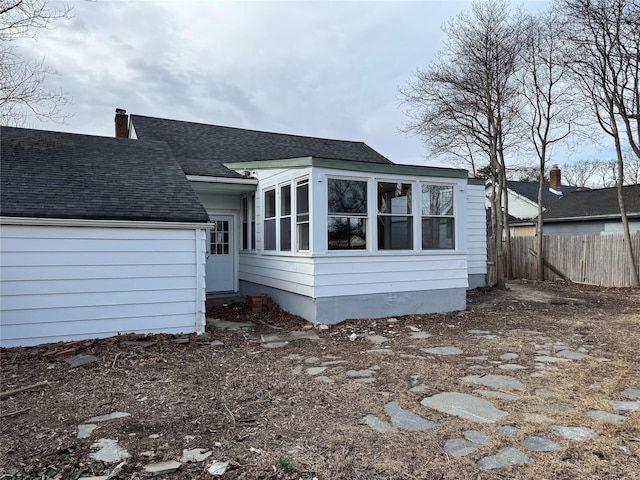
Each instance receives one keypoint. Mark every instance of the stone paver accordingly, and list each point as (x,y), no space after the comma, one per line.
(505,456)
(360,373)
(80,360)
(376,339)
(512,366)
(161,468)
(231,326)
(106,418)
(448,350)
(625,406)
(540,444)
(419,389)
(571,355)
(195,455)
(507,430)
(494,394)
(509,356)
(108,451)
(465,406)
(504,382)
(85,430)
(316,370)
(324,379)
(549,359)
(379,425)
(477,437)
(419,335)
(479,332)
(459,447)
(271,345)
(631,393)
(578,434)
(605,417)
(406,419)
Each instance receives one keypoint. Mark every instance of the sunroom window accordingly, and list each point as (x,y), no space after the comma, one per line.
(285,218)
(302,214)
(347,207)
(438,221)
(395,221)
(270,219)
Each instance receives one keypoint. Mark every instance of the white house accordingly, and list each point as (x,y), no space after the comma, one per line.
(329,229)
(100,236)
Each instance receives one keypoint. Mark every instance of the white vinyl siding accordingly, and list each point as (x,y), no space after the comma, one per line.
(61,283)
(292,274)
(336,276)
(476,230)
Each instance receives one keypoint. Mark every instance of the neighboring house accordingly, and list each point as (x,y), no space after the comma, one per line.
(102,236)
(330,229)
(97,236)
(523,200)
(593,212)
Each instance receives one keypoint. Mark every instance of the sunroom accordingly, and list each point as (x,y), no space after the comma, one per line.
(330,239)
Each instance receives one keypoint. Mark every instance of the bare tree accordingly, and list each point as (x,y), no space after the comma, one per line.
(549,108)
(603,40)
(465,102)
(23,88)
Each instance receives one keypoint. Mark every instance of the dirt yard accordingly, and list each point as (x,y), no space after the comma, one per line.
(298,411)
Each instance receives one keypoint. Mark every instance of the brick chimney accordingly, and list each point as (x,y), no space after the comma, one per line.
(122,123)
(555,178)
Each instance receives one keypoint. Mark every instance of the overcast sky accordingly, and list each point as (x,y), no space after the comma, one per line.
(325,69)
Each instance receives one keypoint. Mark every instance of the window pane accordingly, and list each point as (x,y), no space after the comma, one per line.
(437,200)
(285,233)
(347,233)
(285,200)
(395,233)
(394,198)
(438,233)
(245,223)
(270,204)
(347,196)
(270,234)
(302,197)
(303,236)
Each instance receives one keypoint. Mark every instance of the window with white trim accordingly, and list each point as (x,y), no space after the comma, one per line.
(302,215)
(438,220)
(285,218)
(395,220)
(347,209)
(248,223)
(270,219)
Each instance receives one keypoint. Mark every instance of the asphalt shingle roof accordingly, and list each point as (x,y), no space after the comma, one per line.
(47,174)
(595,203)
(202,149)
(530,190)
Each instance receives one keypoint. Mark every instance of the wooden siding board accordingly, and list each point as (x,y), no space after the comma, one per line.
(91,285)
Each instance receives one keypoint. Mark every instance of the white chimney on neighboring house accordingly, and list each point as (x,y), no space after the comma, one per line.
(555,180)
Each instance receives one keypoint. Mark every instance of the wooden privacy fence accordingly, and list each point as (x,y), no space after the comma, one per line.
(593,259)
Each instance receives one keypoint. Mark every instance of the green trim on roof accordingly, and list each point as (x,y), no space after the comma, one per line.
(392,168)
(476,181)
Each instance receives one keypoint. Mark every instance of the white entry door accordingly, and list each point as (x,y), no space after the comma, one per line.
(221,263)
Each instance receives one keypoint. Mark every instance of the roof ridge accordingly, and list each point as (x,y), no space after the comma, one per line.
(250,129)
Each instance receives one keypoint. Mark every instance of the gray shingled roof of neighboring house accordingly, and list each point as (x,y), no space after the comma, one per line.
(602,202)
(61,175)
(529,190)
(202,149)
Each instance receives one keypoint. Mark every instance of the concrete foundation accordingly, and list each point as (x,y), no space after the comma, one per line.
(332,310)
